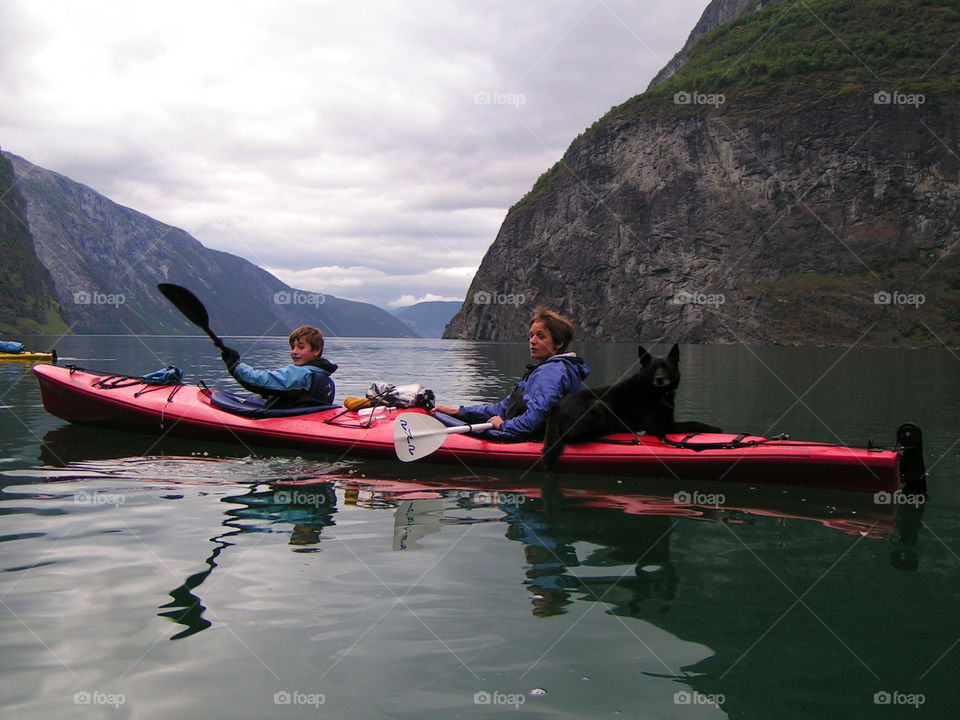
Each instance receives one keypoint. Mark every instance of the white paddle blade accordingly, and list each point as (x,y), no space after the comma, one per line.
(415,435)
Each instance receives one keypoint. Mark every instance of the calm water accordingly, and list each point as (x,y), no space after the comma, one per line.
(176,579)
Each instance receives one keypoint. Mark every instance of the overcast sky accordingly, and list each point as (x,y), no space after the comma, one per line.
(368,150)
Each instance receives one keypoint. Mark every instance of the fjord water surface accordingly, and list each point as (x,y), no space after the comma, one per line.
(162,578)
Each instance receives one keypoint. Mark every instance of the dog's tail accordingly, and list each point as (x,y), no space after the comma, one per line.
(552,444)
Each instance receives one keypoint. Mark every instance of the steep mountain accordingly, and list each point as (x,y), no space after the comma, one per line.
(106,260)
(794,181)
(428,319)
(27,304)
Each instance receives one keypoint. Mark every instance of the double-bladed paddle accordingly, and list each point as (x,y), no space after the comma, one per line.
(416,435)
(191,307)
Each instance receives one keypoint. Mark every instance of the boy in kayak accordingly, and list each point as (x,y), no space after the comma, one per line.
(554,373)
(305,383)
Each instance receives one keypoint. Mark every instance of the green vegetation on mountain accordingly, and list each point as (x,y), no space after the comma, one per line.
(795,53)
(849,42)
(27,304)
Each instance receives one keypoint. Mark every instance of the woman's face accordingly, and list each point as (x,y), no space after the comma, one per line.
(542,344)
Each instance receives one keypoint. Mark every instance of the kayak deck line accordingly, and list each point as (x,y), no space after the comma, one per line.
(72,394)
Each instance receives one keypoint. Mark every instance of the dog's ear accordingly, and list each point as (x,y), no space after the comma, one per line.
(644,356)
(674,354)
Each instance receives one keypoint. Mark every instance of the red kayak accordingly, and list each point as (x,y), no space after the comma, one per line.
(126,403)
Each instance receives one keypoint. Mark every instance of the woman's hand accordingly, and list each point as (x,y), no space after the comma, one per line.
(496,421)
(446,409)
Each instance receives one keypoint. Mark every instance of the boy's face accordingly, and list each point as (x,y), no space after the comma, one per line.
(301,353)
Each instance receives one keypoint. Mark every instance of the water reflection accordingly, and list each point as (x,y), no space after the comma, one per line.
(909,522)
(186,608)
(593,541)
(550,537)
(307,510)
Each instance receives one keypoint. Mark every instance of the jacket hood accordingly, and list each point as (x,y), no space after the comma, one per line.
(573,361)
(324,364)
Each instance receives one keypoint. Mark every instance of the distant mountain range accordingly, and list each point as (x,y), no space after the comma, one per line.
(74,259)
(428,319)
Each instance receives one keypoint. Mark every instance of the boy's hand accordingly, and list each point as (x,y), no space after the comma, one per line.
(230,357)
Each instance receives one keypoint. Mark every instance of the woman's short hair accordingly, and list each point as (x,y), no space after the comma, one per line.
(561,329)
(310,335)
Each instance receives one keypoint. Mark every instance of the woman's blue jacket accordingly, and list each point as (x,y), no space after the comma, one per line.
(542,386)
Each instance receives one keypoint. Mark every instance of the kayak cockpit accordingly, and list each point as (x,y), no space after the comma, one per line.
(256,407)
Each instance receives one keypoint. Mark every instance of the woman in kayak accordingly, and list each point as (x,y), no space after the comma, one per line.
(306,383)
(554,373)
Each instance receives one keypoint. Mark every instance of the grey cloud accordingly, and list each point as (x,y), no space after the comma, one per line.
(380,135)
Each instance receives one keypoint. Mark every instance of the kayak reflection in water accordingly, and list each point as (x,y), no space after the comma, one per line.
(305,383)
(554,373)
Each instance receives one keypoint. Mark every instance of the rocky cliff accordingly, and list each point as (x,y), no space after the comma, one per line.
(795,181)
(106,260)
(27,304)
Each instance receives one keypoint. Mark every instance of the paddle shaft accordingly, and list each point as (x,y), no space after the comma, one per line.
(479,427)
(216,341)
(415,436)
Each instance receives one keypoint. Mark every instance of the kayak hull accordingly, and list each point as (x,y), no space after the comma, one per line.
(186,411)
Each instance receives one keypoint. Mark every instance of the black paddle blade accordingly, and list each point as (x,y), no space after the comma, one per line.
(187,303)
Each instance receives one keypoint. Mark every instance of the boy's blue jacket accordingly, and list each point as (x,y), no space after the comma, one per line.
(544,384)
(290,386)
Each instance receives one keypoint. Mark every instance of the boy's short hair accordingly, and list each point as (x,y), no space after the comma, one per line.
(561,329)
(309,335)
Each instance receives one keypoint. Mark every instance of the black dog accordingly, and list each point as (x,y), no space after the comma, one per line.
(644,401)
